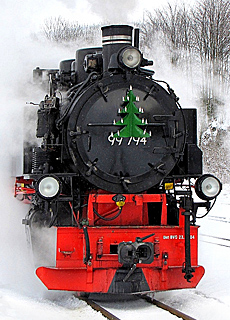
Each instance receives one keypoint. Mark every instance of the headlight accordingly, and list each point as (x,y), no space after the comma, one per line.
(130,57)
(208,187)
(48,187)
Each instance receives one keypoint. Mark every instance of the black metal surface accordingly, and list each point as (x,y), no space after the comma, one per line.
(80,74)
(136,252)
(46,121)
(126,167)
(193,156)
(87,254)
(136,282)
(187,204)
(65,72)
(191,125)
(39,158)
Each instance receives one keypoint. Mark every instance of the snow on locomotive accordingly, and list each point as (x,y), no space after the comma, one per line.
(114,174)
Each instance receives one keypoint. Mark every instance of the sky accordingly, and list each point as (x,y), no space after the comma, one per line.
(29,15)
(19,19)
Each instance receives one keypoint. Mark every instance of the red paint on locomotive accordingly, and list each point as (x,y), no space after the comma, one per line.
(164,273)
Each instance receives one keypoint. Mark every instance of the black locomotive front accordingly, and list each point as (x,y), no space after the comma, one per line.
(115,127)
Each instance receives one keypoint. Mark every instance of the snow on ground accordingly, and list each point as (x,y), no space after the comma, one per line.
(65,307)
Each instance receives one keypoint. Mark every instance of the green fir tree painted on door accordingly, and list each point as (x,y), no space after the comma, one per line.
(131,122)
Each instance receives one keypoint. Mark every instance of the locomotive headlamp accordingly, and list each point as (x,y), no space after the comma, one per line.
(48,187)
(208,187)
(130,57)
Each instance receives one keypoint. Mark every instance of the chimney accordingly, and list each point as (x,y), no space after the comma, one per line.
(114,38)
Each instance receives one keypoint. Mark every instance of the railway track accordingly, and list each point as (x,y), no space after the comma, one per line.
(219,241)
(155,302)
(219,219)
(166,307)
(99,308)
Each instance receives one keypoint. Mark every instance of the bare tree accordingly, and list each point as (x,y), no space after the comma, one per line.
(196,37)
(149,30)
(211,40)
(60,30)
(171,26)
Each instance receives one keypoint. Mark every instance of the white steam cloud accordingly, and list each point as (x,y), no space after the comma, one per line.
(19,54)
(69,3)
(114,12)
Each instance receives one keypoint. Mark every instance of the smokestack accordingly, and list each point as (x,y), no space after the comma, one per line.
(114,38)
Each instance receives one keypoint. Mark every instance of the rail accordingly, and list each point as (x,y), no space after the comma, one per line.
(219,241)
(164,306)
(97,307)
(155,302)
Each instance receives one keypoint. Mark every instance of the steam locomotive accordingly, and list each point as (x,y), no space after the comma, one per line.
(113,174)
